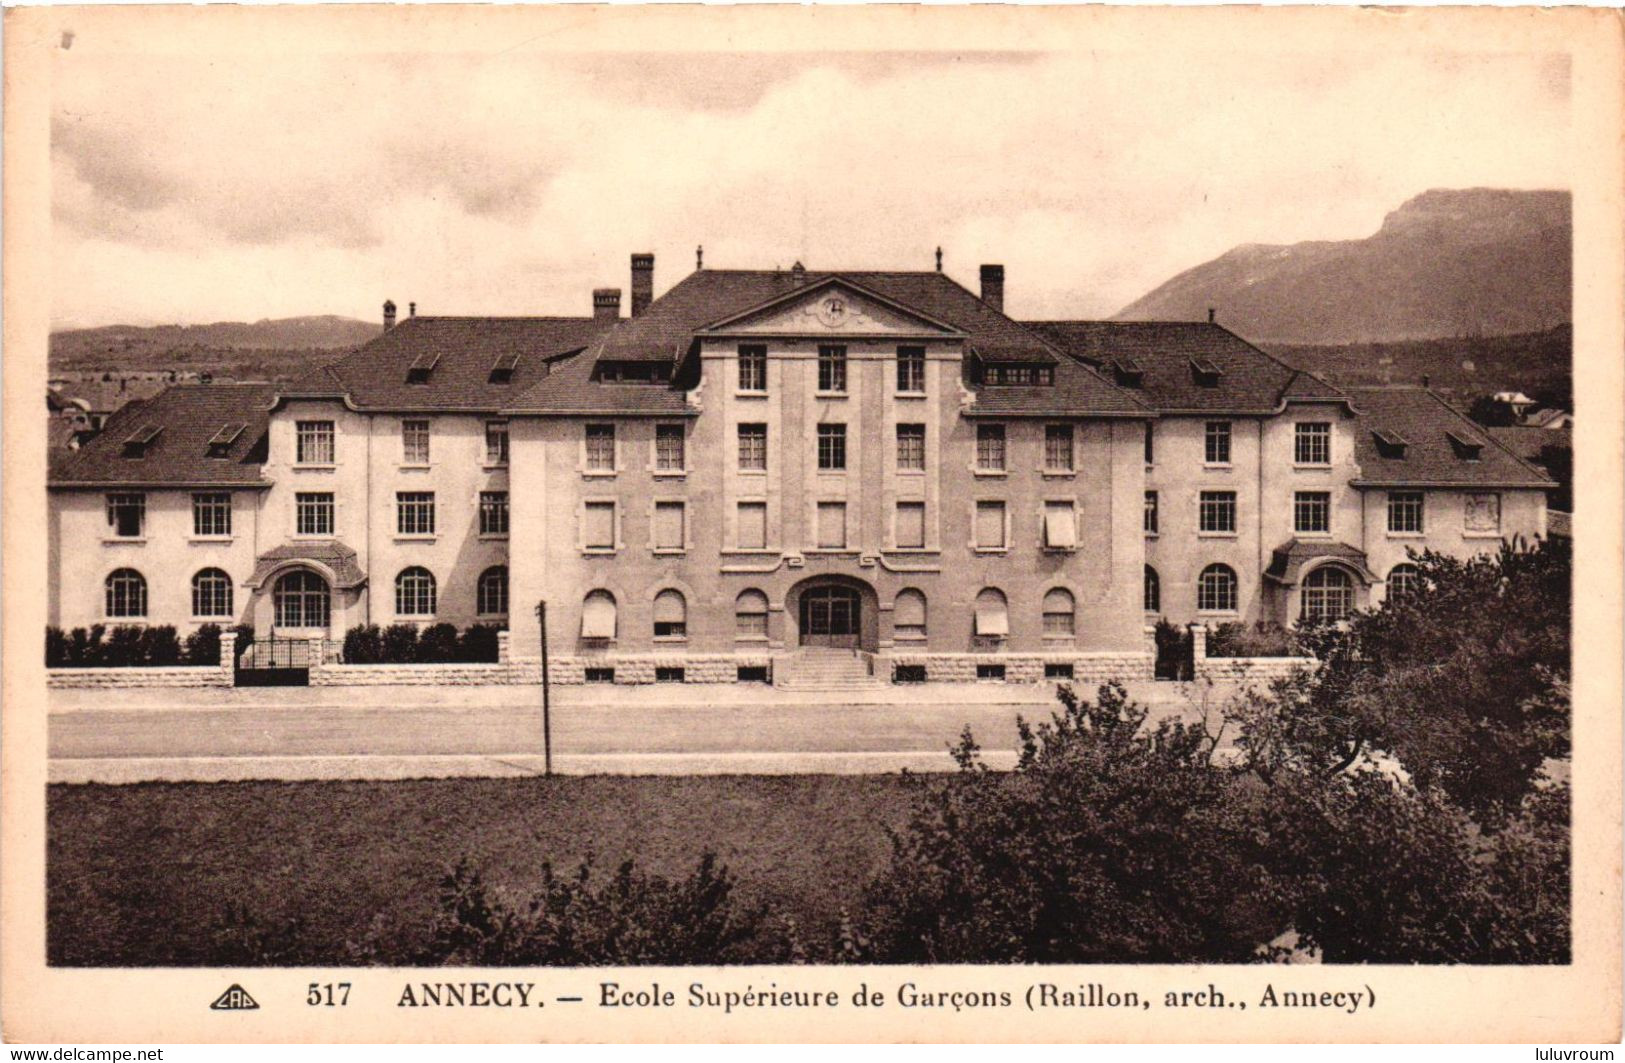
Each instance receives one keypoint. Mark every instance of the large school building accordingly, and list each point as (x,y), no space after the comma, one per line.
(760,463)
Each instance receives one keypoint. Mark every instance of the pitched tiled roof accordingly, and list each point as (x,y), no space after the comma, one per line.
(664,331)
(570,388)
(1288,561)
(188,416)
(1528,441)
(1248,380)
(1425,422)
(464,350)
(1078,390)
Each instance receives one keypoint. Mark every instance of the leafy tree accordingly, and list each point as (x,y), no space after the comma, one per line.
(1491,413)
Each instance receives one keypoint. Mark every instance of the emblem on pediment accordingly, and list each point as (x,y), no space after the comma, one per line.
(832,310)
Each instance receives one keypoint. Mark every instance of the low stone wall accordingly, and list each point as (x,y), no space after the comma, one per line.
(411,675)
(1022,668)
(137,678)
(1264,668)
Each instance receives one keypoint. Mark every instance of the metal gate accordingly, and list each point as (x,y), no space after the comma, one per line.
(274,662)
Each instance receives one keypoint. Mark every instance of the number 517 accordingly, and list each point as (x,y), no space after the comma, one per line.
(328,994)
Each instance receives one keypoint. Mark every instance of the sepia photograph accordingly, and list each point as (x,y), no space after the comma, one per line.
(535,496)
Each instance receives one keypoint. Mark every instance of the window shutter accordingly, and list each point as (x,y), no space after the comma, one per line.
(669,525)
(990,524)
(598,617)
(669,608)
(992,618)
(832,524)
(909,610)
(752,525)
(600,531)
(911,524)
(1060,525)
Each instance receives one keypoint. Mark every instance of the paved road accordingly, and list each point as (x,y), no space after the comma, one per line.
(386,732)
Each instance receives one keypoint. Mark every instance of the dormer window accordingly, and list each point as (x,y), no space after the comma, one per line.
(421,367)
(502,371)
(1019,375)
(1390,444)
(1128,372)
(220,443)
(1466,449)
(634,372)
(1206,373)
(141,440)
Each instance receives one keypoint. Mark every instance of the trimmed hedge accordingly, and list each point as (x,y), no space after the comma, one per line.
(136,646)
(405,644)
(1262,639)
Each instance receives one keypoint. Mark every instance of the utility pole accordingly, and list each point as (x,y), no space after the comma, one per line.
(547,715)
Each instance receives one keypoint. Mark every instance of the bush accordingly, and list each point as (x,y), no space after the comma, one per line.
(363,644)
(437,644)
(479,644)
(203,645)
(1263,639)
(632,918)
(399,645)
(127,646)
(1173,652)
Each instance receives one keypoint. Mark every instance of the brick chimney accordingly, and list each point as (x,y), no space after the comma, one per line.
(606,304)
(993,286)
(411,310)
(389,314)
(1212,315)
(643,282)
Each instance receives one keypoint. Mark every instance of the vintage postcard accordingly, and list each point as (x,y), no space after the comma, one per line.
(812,524)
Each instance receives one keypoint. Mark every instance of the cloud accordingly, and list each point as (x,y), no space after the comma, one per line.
(196,189)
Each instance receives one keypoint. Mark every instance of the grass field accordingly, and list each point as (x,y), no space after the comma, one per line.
(143,875)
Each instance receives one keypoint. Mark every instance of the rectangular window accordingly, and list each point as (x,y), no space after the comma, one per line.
(832,525)
(493,513)
(1060,526)
(751,532)
(496,442)
(668,526)
(1150,443)
(668,674)
(990,447)
(414,512)
(1054,670)
(1405,512)
(314,442)
(831,367)
(211,514)
(911,447)
(1058,448)
(911,525)
(127,515)
(753,447)
(600,675)
(1151,513)
(313,513)
(990,526)
(752,367)
(601,447)
(415,442)
(1312,512)
(1217,512)
(990,673)
(599,530)
(911,370)
(1218,443)
(669,451)
(832,446)
(1312,443)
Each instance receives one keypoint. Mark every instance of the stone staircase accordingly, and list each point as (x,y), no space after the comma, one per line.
(823,669)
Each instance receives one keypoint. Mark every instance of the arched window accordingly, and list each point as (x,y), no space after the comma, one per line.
(211,593)
(126,593)
(414,592)
(992,614)
(1216,590)
(1404,580)
(1153,591)
(908,615)
(1328,594)
(750,615)
(1060,617)
(302,600)
(671,615)
(598,616)
(492,596)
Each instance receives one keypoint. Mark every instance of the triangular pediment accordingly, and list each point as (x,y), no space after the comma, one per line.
(831,308)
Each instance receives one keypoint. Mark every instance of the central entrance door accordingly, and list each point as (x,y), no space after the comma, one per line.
(829,617)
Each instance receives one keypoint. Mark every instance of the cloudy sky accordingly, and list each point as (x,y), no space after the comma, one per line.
(274,185)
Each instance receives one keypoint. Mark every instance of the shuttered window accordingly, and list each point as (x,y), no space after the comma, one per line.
(1060,526)
(752,526)
(911,525)
(599,530)
(668,526)
(990,525)
(908,615)
(598,616)
(750,615)
(992,614)
(1060,617)
(670,615)
(832,525)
